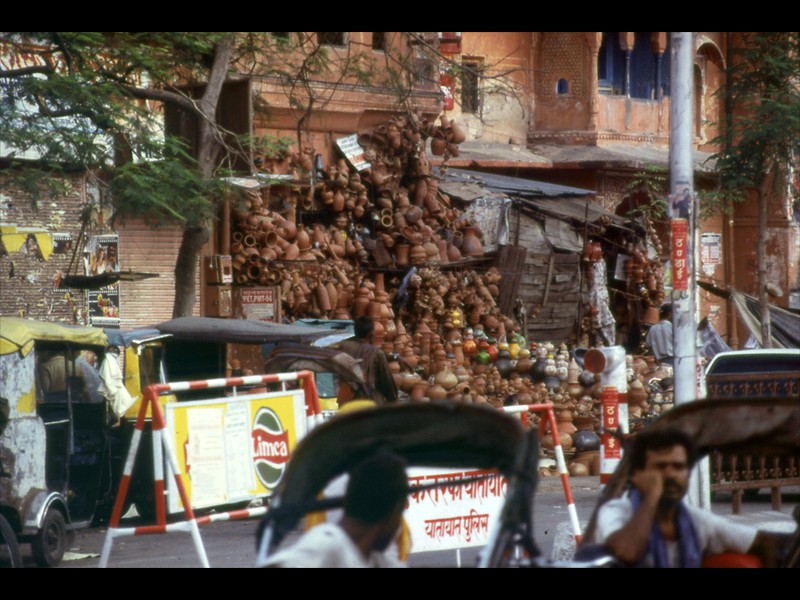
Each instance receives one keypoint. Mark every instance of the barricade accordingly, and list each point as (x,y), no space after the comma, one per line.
(550,418)
(164,448)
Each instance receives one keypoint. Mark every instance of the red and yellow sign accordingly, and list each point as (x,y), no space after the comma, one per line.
(236,449)
(610,407)
(680,254)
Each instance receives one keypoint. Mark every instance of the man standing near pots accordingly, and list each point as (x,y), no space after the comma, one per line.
(659,338)
(377,376)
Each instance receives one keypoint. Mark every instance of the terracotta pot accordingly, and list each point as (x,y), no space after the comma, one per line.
(413,214)
(453,253)
(402,254)
(417,255)
(438,146)
(437,393)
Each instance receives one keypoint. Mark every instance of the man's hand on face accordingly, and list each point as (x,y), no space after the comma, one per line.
(650,482)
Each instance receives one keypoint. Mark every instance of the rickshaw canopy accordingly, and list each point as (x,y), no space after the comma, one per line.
(19,335)
(237,331)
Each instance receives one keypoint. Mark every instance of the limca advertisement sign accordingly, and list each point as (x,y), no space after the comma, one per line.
(234,449)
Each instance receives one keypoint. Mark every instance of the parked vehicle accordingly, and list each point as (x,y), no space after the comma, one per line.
(768,373)
(57,445)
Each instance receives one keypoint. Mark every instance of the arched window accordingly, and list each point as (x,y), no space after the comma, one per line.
(647,70)
(562,87)
(611,65)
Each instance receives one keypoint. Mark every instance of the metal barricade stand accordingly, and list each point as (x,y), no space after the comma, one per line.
(162,442)
(550,418)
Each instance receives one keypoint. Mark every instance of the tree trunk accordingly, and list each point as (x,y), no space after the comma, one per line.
(194,238)
(763,297)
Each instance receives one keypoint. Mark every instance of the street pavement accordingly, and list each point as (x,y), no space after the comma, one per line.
(232,544)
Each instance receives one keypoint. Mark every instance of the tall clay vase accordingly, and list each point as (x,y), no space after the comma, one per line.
(401,252)
(361,302)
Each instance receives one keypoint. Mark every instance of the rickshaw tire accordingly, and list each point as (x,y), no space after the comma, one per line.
(50,543)
(9,538)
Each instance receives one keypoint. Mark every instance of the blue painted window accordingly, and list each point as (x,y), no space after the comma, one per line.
(646,70)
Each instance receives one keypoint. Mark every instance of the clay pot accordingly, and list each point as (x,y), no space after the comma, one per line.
(437,393)
(402,254)
(585,440)
(471,244)
(417,255)
(413,214)
(453,253)
(447,379)
(577,469)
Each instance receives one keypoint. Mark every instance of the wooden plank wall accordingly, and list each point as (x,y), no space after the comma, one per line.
(548,285)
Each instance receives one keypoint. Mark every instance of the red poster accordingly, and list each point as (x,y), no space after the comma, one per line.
(680,254)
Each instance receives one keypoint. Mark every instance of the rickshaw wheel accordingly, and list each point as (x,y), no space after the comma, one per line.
(10,556)
(50,542)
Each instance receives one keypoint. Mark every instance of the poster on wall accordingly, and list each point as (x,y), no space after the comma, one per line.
(101,255)
(257,303)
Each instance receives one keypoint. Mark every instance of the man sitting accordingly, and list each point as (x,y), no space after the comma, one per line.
(651,526)
(373,510)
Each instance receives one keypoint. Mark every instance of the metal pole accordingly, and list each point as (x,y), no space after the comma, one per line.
(682,209)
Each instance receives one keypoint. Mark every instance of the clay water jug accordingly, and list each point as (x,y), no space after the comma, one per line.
(471,244)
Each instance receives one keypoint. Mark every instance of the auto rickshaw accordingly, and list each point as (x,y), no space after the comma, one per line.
(56,441)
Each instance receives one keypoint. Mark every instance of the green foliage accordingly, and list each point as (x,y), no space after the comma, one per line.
(764,86)
(650,186)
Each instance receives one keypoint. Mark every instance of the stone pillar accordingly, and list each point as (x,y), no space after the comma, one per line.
(594,39)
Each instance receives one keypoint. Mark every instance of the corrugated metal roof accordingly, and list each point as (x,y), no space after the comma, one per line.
(503,184)
(559,201)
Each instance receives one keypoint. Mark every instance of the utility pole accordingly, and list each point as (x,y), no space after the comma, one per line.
(682,210)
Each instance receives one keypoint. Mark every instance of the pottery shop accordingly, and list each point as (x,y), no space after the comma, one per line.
(481,287)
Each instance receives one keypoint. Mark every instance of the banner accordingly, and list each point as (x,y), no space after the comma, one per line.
(453,514)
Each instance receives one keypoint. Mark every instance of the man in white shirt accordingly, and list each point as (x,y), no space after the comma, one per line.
(651,526)
(375,500)
(659,338)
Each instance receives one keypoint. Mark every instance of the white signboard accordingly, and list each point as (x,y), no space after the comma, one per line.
(353,152)
(454,514)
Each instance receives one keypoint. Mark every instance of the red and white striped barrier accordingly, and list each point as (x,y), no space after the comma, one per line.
(162,442)
(559,452)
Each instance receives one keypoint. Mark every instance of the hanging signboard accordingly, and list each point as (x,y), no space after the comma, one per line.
(353,152)
(233,449)
(453,514)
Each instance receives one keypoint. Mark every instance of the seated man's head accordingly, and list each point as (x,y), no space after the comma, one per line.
(376,495)
(670,452)
(363,327)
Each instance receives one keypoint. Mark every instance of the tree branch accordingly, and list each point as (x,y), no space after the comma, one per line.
(13,73)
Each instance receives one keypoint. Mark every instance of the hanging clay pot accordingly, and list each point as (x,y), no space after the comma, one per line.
(438,146)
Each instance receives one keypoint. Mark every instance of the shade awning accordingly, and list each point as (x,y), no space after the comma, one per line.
(237,331)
